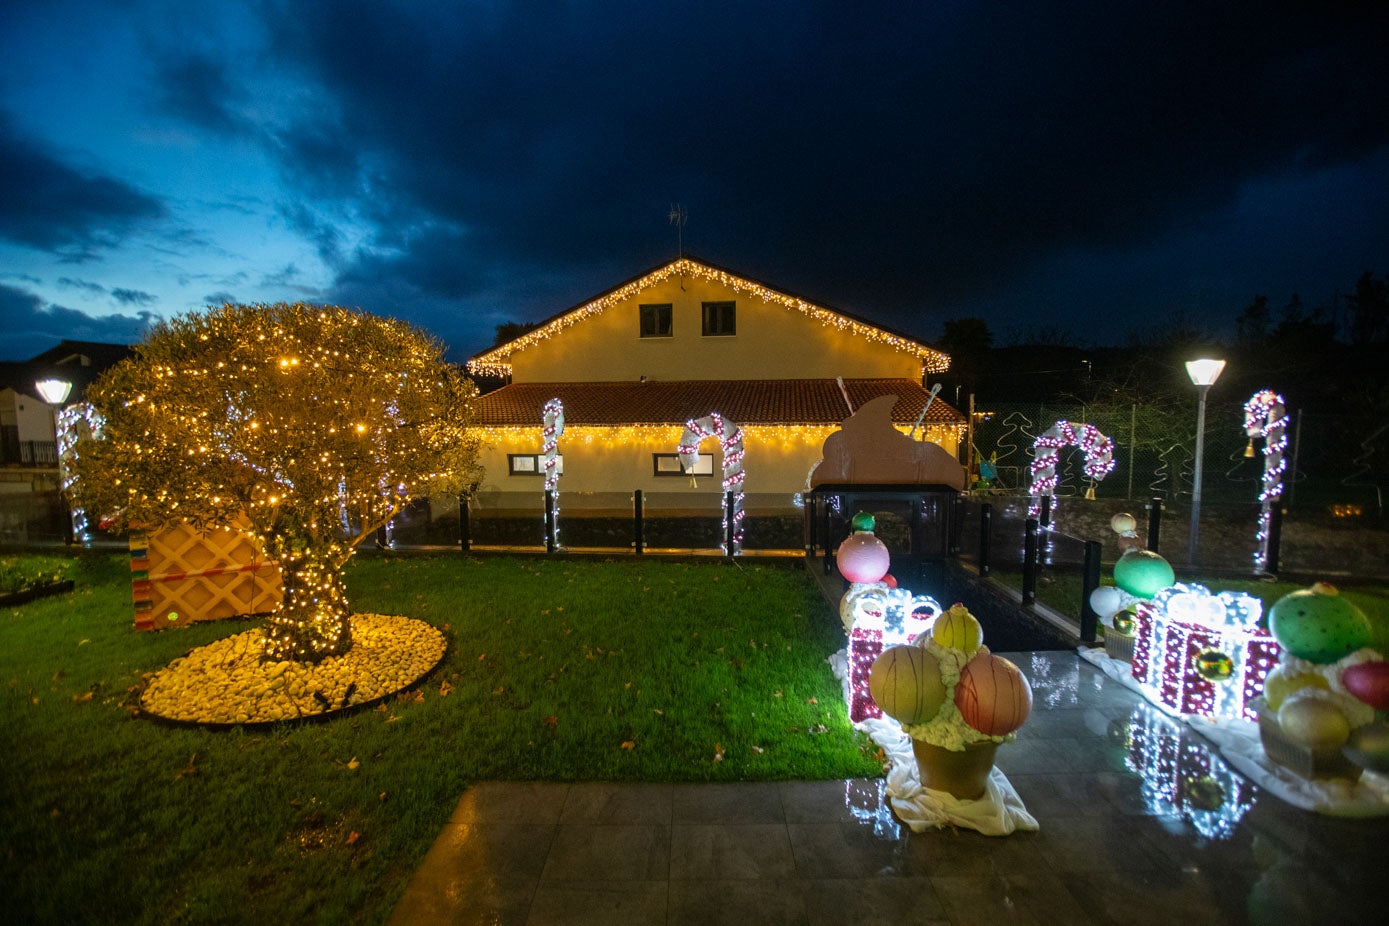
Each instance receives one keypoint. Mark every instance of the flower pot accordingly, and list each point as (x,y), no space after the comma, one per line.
(964,775)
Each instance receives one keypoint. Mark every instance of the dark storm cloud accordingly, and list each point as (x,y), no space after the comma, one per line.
(32,326)
(899,156)
(56,207)
(198,89)
(133,297)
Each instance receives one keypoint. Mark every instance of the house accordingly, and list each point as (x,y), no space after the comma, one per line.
(31,392)
(633,364)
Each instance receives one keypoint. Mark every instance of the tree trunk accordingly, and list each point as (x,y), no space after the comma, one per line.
(313,622)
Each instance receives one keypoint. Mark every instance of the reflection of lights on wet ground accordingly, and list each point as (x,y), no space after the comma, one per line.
(1055,683)
(1181,775)
(867,801)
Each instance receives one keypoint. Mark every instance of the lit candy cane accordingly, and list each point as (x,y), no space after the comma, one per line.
(1266,416)
(554,428)
(1098,450)
(730,438)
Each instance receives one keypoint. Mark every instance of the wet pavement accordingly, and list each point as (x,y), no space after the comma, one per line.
(1141,822)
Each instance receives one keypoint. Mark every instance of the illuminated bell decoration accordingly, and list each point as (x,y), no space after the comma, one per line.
(1143,573)
(862,557)
(1319,625)
(1214,665)
(1178,627)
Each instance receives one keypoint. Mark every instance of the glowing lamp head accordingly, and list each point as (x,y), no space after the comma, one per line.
(54,391)
(1204,372)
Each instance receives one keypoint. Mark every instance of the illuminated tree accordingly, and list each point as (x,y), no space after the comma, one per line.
(315,424)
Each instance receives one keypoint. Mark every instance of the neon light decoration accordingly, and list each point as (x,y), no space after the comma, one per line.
(730,438)
(1266,416)
(1198,653)
(882,617)
(1046,451)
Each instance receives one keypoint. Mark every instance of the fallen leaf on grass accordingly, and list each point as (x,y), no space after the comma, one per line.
(658,711)
(444,689)
(83,642)
(392,719)
(629,745)
(552,721)
(188,770)
(811,701)
(758,750)
(82,697)
(353,763)
(352,837)
(381,796)
(718,752)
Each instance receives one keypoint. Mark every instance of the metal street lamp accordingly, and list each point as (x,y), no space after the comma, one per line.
(55,392)
(1203,373)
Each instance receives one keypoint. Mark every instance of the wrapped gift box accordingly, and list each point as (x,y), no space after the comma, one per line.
(1179,631)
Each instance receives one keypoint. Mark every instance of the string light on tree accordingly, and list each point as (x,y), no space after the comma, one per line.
(1046,452)
(1266,416)
(316,424)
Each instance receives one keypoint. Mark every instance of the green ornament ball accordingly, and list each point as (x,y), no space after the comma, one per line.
(1319,625)
(1124,623)
(863,521)
(1143,573)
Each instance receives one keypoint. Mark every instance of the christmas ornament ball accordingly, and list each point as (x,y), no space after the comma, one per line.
(1319,625)
(862,558)
(1143,573)
(1314,722)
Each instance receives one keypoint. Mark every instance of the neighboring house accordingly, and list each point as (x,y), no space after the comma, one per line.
(634,364)
(28,450)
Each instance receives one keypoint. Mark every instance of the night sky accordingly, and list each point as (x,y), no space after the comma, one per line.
(1080,166)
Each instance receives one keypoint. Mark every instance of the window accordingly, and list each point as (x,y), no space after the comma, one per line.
(720,319)
(530,464)
(655,321)
(668,464)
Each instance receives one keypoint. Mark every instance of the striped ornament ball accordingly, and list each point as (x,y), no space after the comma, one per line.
(905,682)
(993,695)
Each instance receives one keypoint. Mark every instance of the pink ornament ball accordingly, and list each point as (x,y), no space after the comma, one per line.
(993,695)
(862,557)
(1368,682)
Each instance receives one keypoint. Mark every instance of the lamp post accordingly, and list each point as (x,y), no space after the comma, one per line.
(1203,373)
(55,392)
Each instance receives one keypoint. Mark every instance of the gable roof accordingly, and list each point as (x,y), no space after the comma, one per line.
(674,402)
(493,362)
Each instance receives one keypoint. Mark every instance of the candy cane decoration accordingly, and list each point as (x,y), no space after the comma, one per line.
(730,438)
(554,428)
(1098,450)
(1266,416)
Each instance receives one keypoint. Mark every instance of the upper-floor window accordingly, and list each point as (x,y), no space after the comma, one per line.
(655,321)
(720,319)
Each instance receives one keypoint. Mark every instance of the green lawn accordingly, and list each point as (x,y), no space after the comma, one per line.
(557,669)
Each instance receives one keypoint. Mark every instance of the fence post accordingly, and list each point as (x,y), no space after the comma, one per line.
(1029,563)
(465,526)
(638,540)
(730,526)
(957,507)
(549,521)
(1275,536)
(1154,507)
(1089,620)
(382,538)
(810,509)
(986,517)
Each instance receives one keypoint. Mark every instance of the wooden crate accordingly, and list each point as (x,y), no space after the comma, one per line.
(181,575)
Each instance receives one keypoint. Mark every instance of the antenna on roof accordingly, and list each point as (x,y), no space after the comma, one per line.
(678,218)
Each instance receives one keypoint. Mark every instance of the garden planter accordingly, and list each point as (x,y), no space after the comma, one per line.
(964,775)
